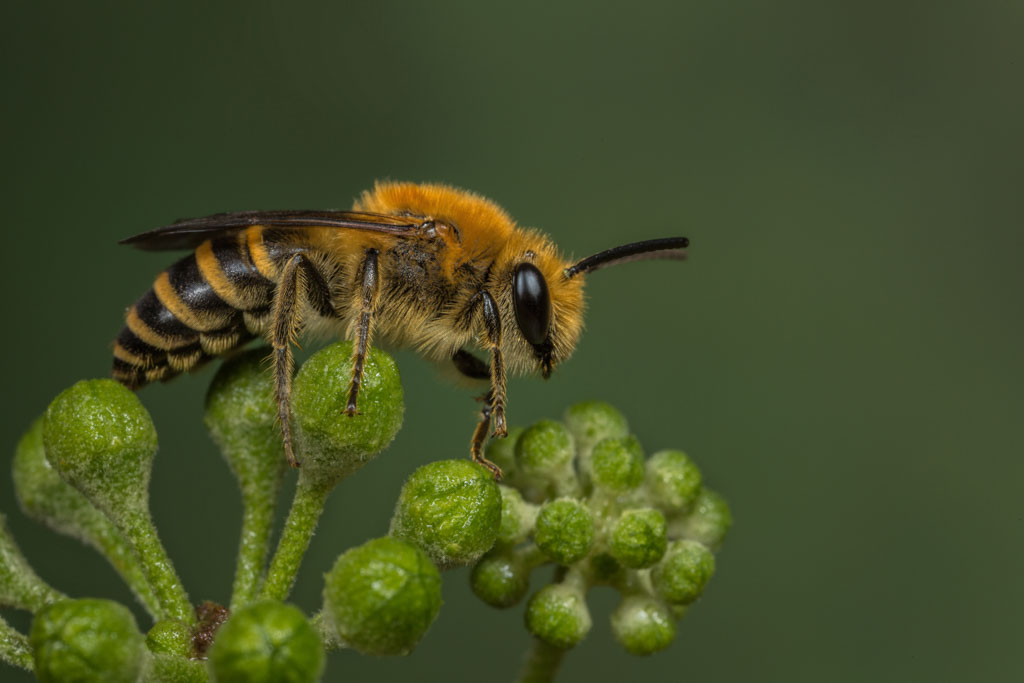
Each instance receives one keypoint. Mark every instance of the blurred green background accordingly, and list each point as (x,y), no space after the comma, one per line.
(841,354)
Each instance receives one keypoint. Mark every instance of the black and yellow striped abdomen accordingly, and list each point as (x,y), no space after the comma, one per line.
(206,304)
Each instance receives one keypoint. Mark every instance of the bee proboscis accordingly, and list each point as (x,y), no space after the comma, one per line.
(425,266)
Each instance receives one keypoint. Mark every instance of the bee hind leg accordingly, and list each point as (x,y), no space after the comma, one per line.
(299,278)
(371,291)
(284,329)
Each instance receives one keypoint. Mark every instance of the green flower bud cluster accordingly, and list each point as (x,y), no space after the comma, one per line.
(381,597)
(581,494)
(83,469)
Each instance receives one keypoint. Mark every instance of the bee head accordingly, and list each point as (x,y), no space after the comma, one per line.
(545,307)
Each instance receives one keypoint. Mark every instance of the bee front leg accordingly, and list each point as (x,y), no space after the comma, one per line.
(474,368)
(492,329)
(284,330)
(494,402)
(371,291)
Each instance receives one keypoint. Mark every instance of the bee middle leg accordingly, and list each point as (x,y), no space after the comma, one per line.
(371,291)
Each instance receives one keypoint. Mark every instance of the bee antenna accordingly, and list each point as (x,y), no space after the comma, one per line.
(672,248)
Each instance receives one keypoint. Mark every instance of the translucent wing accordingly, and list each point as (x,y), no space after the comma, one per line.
(191,232)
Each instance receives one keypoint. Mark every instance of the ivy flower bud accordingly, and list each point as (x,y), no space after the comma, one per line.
(643,625)
(638,538)
(381,597)
(558,615)
(102,441)
(545,452)
(502,452)
(241,416)
(564,531)
(709,520)
(617,464)
(451,509)
(170,637)
(673,480)
(331,444)
(266,642)
(593,421)
(683,572)
(517,517)
(47,498)
(500,579)
(87,640)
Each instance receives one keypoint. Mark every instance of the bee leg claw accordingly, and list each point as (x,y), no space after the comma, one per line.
(494,469)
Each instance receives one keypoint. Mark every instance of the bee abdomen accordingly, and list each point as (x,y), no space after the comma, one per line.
(196,310)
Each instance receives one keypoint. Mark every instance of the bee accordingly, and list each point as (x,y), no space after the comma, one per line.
(425,266)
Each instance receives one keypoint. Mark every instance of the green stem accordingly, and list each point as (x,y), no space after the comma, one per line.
(20,586)
(14,647)
(542,662)
(138,528)
(298,529)
(257,523)
(328,635)
(109,542)
(167,668)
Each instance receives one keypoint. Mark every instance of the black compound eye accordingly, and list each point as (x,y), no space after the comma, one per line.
(532,303)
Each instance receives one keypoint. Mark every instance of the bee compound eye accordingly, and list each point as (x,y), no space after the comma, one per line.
(532,303)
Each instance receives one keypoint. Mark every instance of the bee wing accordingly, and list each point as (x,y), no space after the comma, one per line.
(191,232)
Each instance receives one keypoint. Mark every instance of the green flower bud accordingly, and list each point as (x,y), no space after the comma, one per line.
(673,480)
(638,538)
(502,452)
(170,645)
(617,463)
(266,642)
(20,586)
(593,421)
(102,441)
(709,520)
(564,530)
(162,668)
(500,579)
(331,444)
(683,572)
(545,452)
(241,415)
(451,509)
(643,625)
(517,517)
(86,640)
(558,615)
(47,498)
(170,637)
(605,569)
(382,596)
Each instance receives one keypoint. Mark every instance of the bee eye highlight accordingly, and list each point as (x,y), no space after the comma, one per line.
(532,303)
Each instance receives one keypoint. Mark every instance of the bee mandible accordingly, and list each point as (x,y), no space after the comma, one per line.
(425,266)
